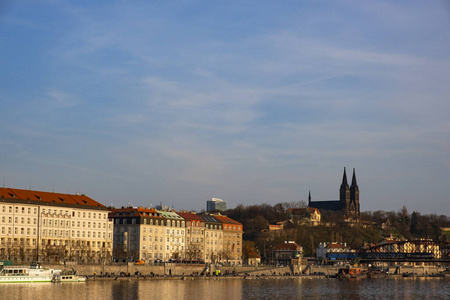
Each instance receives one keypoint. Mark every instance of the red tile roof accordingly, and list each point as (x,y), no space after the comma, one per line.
(313,209)
(39,197)
(334,245)
(287,246)
(226,220)
(190,216)
(253,254)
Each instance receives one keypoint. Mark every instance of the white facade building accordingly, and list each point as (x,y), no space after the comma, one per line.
(55,227)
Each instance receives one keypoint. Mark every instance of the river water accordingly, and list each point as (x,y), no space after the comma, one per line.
(236,289)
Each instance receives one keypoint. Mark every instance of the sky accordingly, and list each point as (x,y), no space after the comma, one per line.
(176,102)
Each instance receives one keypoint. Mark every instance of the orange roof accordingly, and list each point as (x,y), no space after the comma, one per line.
(226,220)
(38,197)
(313,209)
(190,216)
(334,245)
(287,246)
(253,254)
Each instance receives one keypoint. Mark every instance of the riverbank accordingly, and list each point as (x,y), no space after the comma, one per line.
(167,271)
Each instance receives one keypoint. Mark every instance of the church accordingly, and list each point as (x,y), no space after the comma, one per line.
(348,203)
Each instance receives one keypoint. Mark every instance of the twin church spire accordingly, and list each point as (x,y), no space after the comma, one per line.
(348,203)
(349,196)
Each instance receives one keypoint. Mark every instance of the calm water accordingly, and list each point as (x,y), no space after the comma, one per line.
(290,288)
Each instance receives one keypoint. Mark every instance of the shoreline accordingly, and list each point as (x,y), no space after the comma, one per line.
(249,277)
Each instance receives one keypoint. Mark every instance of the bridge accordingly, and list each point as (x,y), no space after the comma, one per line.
(407,251)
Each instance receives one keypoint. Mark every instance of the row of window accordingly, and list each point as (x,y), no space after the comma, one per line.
(83,224)
(30,210)
(53,233)
(45,242)
(62,234)
(150,248)
(51,223)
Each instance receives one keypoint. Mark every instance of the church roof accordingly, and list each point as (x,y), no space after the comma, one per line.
(333,205)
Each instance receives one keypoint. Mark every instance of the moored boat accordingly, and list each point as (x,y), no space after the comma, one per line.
(374,272)
(68,277)
(349,273)
(25,274)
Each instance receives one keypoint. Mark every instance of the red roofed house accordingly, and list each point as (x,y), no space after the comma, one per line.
(285,252)
(232,240)
(53,227)
(253,259)
(305,216)
(195,233)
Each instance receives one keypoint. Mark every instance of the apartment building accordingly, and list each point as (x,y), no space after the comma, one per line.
(195,236)
(213,239)
(139,233)
(232,240)
(44,226)
(174,235)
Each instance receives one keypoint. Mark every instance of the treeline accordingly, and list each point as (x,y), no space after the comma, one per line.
(372,228)
(256,218)
(410,226)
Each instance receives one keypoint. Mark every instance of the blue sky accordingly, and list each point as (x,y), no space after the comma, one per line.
(144,102)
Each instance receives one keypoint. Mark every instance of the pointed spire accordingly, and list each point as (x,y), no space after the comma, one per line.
(309,198)
(344,180)
(354,184)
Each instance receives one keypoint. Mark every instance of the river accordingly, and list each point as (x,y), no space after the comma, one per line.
(236,289)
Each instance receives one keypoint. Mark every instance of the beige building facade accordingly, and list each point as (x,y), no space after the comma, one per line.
(174,235)
(44,226)
(195,236)
(213,239)
(139,234)
(232,240)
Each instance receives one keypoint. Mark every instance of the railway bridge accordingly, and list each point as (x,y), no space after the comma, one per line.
(407,251)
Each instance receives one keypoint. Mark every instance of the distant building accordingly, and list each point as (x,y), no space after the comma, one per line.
(348,203)
(216,204)
(285,252)
(213,238)
(253,258)
(305,216)
(164,207)
(195,233)
(335,252)
(232,240)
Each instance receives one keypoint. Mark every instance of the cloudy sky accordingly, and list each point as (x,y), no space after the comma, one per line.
(254,102)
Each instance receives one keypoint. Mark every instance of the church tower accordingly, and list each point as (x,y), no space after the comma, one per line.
(354,196)
(344,194)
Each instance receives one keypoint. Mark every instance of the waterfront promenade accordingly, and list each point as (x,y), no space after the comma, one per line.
(173,271)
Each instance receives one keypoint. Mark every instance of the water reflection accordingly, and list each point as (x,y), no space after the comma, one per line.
(239,289)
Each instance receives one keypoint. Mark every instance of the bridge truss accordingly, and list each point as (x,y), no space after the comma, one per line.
(407,251)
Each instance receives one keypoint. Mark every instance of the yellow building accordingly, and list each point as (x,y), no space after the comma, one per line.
(232,240)
(139,233)
(213,239)
(195,236)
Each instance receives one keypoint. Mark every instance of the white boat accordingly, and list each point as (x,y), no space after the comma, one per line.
(22,274)
(68,277)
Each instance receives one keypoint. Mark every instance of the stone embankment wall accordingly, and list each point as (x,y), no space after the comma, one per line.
(168,269)
(117,269)
(176,270)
